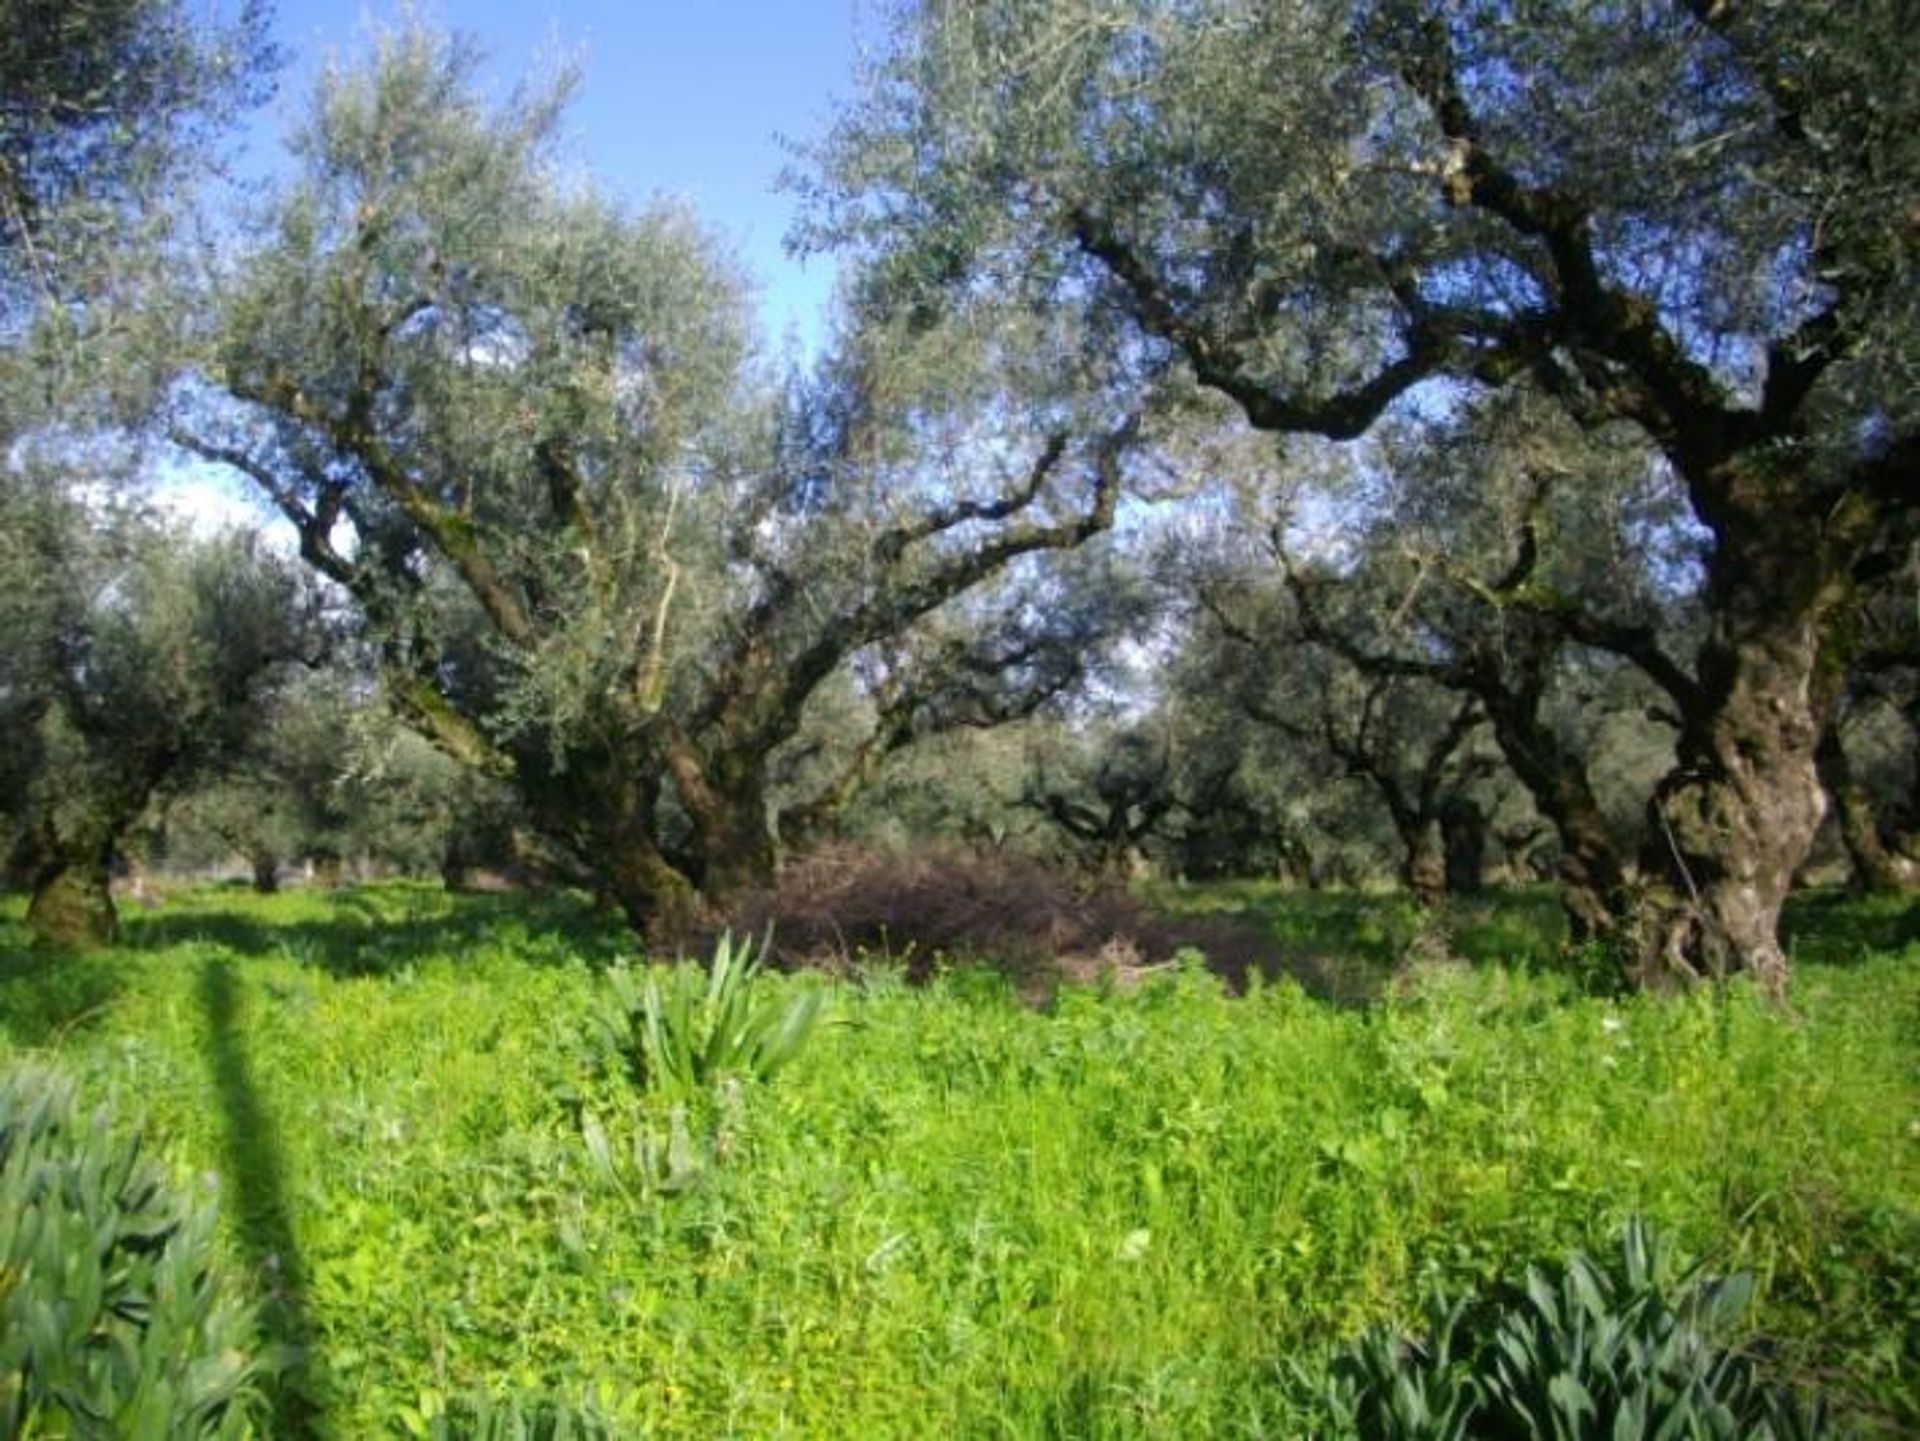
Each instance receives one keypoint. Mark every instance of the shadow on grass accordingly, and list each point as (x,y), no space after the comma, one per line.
(383,932)
(47,991)
(251,1151)
(1836,927)
(1362,939)
(1349,946)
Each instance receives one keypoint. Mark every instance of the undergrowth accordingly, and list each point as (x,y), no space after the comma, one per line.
(1128,1214)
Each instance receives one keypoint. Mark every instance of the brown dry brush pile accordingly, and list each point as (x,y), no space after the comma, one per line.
(1039,925)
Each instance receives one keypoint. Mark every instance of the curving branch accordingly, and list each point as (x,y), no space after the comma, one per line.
(892,543)
(1220,366)
(1657,384)
(312,524)
(892,607)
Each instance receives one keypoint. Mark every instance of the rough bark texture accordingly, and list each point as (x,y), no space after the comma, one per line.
(657,899)
(72,905)
(1735,819)
(733,832)
(1591,873)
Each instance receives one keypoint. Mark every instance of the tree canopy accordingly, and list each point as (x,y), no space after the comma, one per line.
(108,108)
(1691,223)
(598,553)
(1325,429)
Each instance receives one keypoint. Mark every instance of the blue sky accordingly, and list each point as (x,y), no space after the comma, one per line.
(684,99)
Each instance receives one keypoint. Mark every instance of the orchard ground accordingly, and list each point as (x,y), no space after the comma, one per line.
(1120,1210)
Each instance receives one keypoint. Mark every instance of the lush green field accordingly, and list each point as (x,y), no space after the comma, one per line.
(1123,1214)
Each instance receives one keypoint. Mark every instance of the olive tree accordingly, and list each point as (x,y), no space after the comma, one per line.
(137,659)
(1692,223)
(1509,560)
(101,100)
(599,555)
(1410,742)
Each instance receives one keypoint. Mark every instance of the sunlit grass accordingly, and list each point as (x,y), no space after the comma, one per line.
(958,1215)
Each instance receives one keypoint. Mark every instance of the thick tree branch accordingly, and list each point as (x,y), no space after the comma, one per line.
(894,606)
(1689,417)
(452,534)
(314,525)
(420,703)
(1518,589)
(1220,366)
(892,543)
(353,433)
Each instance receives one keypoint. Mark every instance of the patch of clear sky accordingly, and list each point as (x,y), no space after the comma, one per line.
(680,98)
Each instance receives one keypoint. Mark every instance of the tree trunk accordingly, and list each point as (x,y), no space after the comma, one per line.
(1463,827)
(657,899)
(1876,866)
(1425,867)
(266,873)
(72,904)
(1592,877)
(736,845)
(1591,873)
(1519,862)
(1734,820)
(725,799)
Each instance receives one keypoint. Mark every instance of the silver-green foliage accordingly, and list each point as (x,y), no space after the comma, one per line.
(680,1031)
(1582,1350)
(116,1315)
(139,659)
(615,563)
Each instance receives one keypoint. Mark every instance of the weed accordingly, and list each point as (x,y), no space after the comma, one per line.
(957,1215)
(680,1031)
(1581,1350)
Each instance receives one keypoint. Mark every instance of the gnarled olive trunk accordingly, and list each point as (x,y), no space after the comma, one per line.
(1733,822)
(72,903)
(1591,873)
(735,840)
(68,878)
(609,811)
(655,896)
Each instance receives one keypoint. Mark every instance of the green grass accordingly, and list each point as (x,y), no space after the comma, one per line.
(956,1215)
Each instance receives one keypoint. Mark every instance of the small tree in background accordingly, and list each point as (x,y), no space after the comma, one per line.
(284,797)
(138,658)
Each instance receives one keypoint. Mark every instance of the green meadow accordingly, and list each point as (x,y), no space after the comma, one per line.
(1138,1209)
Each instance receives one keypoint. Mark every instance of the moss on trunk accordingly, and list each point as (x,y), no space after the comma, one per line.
(73,906)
